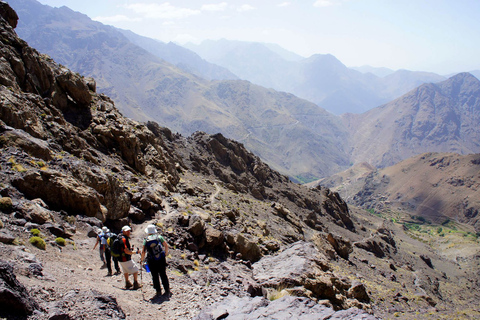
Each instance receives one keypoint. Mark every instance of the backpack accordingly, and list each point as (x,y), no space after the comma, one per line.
(154,248)
(103,238)
(115,242)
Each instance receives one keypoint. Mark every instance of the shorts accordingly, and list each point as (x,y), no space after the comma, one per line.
(129,267)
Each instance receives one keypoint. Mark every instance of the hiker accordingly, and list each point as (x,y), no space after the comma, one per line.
(102,240)
(128,265)
(109,256)
(156,248)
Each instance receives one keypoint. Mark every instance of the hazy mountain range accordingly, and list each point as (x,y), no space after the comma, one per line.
(294,136)
(321,78)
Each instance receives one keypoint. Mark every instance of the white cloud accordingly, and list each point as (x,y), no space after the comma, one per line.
(116,18)
(284,4)
(324,3)
(245,7)
(163,11)
(214,7)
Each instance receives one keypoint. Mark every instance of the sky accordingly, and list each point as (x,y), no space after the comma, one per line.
(441,36)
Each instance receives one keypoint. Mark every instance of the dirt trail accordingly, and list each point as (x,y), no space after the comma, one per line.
(79,269)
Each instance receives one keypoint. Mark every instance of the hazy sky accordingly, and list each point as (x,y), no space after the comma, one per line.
(441,36)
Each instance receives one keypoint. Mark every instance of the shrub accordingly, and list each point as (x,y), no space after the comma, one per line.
(60,241)
(35,232)
(6,204)
(38,242)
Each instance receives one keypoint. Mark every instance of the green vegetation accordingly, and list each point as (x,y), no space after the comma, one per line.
(35,232)
(302,179)
(38,242)
(60,241)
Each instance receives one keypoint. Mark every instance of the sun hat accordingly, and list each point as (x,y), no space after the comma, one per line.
(151,229)
(126,228)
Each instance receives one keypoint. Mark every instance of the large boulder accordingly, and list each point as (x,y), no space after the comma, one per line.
(61,192)
(285,308)
(291,267)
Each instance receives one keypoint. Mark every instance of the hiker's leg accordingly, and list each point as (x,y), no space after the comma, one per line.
(126,277)
(163,274)
(101,250)
(154,271)
(108,257)
(135,276)
(115,263)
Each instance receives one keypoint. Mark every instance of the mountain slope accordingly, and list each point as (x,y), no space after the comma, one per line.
(145,87)
(441,117)
(437,187)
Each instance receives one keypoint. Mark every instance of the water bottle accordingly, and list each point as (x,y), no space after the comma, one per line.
(146,267)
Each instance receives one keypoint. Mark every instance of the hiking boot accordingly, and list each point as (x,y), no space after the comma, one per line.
(118,272)
(109,274)
(136,285)
(104,266)
(128,285)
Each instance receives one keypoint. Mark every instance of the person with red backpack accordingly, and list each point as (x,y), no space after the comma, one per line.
(128,265)
(156,248)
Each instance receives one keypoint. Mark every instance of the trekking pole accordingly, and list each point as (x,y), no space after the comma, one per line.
(141,279)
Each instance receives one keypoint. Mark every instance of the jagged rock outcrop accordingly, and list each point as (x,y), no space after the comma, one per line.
(303,270)
(14,297)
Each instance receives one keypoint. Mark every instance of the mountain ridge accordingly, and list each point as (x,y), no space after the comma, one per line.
(434,117)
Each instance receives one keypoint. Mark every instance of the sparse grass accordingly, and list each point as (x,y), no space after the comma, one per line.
(277,293)
(38,242)
(35,232)
(60,241)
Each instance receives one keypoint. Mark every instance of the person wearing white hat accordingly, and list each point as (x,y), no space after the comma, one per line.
(102,240)
(128,265)
(156,249)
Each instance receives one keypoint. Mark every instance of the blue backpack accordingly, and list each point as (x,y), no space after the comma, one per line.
(154,247)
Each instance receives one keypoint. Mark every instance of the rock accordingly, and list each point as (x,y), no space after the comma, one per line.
(358,291)
(34,212)
(291,267)
(6,237)
(91,221)
(341,246)
(14,297)
(427,260)
(372,246)
(196,226)
(6,204)
(61,191)
(213,237)
(136,214)
(7,13)
(285,308)
(246,245)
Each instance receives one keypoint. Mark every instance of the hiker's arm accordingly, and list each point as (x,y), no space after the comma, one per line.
(165,244)
(96,244)
(143,254)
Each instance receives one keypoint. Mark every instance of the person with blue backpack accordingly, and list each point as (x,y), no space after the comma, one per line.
(102,240)
(156,249)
